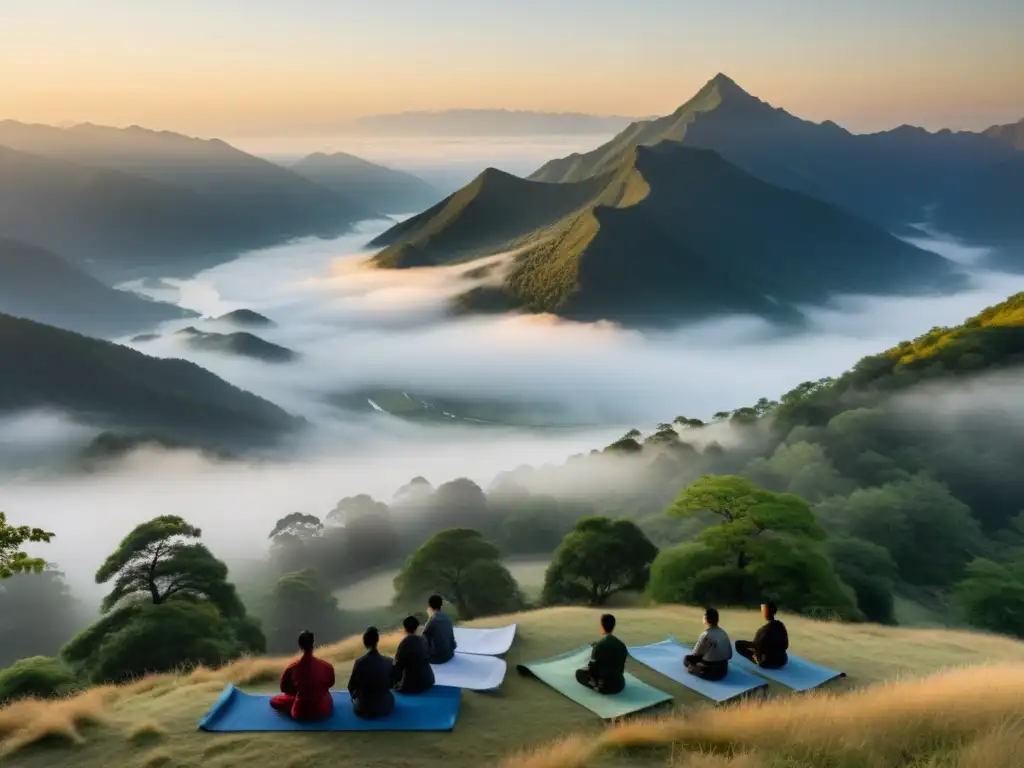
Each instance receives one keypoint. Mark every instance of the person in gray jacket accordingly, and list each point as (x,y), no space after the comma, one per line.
(439,632)
(711,654)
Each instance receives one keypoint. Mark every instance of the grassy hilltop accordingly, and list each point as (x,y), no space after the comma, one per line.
(960,718)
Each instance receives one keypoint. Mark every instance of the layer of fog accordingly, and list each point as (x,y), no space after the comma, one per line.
(356,327)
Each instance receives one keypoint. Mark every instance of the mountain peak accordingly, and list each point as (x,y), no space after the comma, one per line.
(725,86)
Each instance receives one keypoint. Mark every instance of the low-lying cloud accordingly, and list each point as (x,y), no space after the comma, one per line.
(355,327)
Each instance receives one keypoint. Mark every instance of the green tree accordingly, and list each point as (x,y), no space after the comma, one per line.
(297,525)
(301,601)
(159,560)
(367,530)
(870,571)
(801,468)
(12,559)
(766,545)
(158,638)
(930,533)
(532,524)
(37,677)
(598,558)
(465,568)
(992,596)
(170,605)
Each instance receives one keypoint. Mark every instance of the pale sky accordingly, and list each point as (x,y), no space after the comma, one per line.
(282,67)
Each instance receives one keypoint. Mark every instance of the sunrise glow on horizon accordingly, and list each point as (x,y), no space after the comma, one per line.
(235,68)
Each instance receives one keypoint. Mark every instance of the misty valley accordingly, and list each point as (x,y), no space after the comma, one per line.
(722,357)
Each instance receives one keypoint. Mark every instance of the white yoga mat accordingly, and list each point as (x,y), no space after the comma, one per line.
(474,673)
(484,642)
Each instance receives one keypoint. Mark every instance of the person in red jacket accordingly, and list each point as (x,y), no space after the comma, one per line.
(306,685)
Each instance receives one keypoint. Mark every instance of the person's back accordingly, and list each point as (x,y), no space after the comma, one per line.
(713,646)
(605,671)
(412,672)
(711,653)
(608,664)
(770,644)
(370,682)
(439,632)
(306,685)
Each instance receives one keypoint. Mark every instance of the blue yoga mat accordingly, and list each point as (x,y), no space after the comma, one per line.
(236,710)
(798,674)
(666,657)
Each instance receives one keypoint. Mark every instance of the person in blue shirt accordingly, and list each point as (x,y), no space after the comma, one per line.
(439,632)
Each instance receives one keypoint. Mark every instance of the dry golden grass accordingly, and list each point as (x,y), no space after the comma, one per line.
(32,721)
(156,758)
(975,715)
(145,731)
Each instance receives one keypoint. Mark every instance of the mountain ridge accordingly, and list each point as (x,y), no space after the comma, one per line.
(672,232)
(253,202)
(376,186)
(39,285)
(117,388)
(885,177)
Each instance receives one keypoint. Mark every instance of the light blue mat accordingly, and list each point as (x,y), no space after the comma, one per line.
(666,657)
(798,674)
(434,710)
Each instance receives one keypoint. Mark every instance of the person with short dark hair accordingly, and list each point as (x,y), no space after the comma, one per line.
(306,685)
(439,632)
(605,672)
(370,682)
(412,672)
(711,654)
(771,642)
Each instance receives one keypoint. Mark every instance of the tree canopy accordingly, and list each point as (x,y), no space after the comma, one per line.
(157,561)
(598,558)
(301,601)
(12,559)
(765,545)
(465,569)
(170,605)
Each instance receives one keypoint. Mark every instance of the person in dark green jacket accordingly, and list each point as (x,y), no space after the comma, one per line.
(605,672)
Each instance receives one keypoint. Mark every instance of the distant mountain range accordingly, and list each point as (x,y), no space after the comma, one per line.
(375,186)
(1012,134)
(116,388)
(669,233)
(39,285)
(886,177)
(132,202)
(728,204)
(484,122)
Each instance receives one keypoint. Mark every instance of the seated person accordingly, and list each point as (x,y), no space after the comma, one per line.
(439,632)
(711,654)
(412,672)
(370,683)
(605,672)
(770,644)
(306,685)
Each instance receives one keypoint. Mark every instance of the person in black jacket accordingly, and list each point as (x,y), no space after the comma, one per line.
(370,682)
(412,672)
(605,672)
(439,633)
(770,644)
